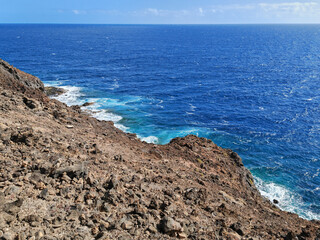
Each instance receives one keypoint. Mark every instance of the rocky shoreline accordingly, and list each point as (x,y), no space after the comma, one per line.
(66,175)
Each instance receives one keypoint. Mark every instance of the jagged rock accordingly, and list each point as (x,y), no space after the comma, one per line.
(8,235)
(17,77)
(13,207)
(30,103)
(170,226)
(237,228)
(87,104)
(44,193)
(78,170)
(127,225)
(54,91)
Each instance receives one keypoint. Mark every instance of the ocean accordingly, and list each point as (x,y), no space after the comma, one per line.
(252,88)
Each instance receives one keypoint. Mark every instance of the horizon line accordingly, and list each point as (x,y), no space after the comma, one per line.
(159,23)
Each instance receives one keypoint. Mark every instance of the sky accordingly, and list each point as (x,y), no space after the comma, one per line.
(159,11)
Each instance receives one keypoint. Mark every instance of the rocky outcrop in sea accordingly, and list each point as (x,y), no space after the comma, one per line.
(66,175)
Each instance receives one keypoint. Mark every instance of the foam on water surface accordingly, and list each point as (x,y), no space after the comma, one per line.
(71,96)
(150,139)
(288,200)
(97,108)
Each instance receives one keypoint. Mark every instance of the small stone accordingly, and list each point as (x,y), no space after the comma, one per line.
(69,126)
(233,236)
(44,193)
(170,226)
(24,164)
(113,183)
(275,201)
(8,236)
(13,207)
(237,228)
(12,190)
(104,226)
(20,184)
(127,225)
(73,216)
(182,235)
(82,217)
(153,204)
(65,177)
(103,236)
(40,185)
(39,235)
(75,171)
(95,230)
(152,229)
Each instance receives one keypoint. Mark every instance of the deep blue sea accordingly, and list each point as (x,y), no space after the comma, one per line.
(252,88)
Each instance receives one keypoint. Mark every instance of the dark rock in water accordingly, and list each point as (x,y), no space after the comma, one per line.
(54,91)
(87,104)
(275,201)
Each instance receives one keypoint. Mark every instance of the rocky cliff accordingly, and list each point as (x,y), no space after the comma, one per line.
(66,175)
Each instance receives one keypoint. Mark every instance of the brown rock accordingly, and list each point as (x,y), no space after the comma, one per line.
(170,226)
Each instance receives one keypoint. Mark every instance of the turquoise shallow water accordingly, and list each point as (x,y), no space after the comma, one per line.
(251,88)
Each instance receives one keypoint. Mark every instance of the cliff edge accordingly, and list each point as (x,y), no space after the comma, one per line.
(66,175)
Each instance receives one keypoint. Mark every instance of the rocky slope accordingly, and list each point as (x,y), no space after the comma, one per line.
(66,175)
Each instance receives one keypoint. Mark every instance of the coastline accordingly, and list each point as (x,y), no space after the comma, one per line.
(286,200)
(66,174)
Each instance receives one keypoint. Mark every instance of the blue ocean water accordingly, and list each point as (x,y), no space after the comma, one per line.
(252,88)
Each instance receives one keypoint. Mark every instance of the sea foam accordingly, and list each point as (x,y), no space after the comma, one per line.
(150,139)
(288,200)
(71,96)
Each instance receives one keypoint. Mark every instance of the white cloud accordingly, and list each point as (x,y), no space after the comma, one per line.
(292,7)
(201,12)
(237,7)
(154,11)
(77,12)
(162,12)
(303,12)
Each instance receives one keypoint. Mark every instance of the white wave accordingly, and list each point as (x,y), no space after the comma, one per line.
(56,83)
(192,107)
(115,84)
(121,127)
(288,200)
(106,116)
(102,114)
(150,139)
(71,96)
